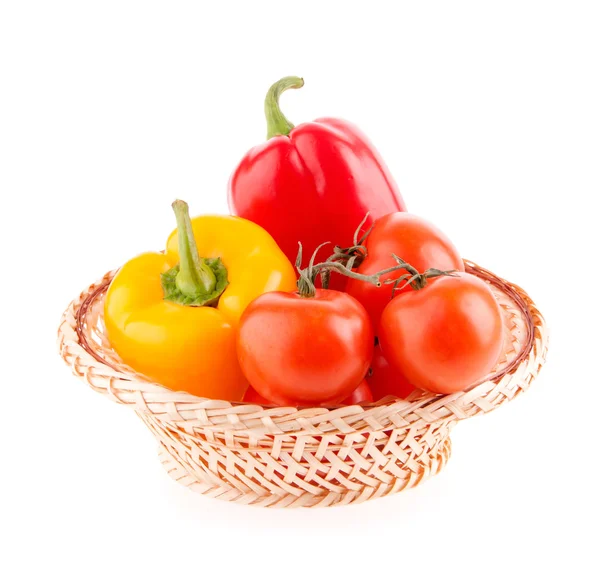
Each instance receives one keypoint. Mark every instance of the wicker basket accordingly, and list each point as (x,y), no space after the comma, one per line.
(289,457)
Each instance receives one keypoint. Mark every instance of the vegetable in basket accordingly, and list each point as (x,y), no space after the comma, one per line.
(386,381)
(310,347)
(362,394)
(440,330)
(312,182)
(415,240)
(444,335)
(172,316)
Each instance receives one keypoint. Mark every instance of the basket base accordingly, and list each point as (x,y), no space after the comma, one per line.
(303,499)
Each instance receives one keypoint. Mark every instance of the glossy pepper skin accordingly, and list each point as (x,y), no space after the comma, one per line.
(192,348)
(311,183)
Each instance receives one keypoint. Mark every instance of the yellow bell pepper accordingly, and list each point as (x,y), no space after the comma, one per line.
(172,316)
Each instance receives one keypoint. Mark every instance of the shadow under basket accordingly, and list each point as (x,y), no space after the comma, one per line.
(293,457)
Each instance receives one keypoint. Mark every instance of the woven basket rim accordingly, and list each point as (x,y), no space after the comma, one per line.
(310,456)
(531,318)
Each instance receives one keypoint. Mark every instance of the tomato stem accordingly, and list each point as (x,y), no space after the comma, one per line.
(343,260)
(415,279)
(352,256)
(277,124)
(306,281)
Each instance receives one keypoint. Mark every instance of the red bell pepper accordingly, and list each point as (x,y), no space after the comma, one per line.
(311,183)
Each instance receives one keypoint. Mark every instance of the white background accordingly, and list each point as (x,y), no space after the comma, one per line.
(487,113)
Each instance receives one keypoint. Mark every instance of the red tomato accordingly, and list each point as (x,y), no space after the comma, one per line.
(305,350)
(251,396)
(445,337)
(409,237)
(362,394)
(385,380)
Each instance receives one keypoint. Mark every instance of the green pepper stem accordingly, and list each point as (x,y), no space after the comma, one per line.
(277,124)
(194,276)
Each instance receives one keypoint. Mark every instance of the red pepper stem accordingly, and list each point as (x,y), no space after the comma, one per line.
(195,276)
(277,124)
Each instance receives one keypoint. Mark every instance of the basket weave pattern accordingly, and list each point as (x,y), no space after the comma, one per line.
(289,457)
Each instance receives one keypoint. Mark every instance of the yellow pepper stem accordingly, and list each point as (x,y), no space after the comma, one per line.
(195,277)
